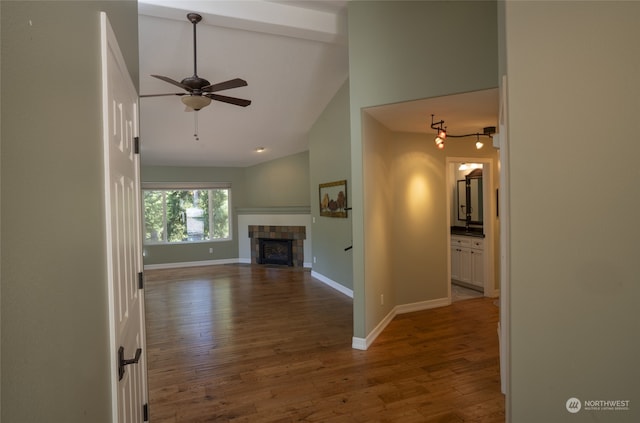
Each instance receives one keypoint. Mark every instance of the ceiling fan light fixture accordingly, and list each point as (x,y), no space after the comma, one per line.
(196,102)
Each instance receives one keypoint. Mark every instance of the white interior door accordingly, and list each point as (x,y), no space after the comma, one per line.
(123,233)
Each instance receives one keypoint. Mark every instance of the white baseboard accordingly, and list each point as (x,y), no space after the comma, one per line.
(190,264)
(359,344)
(493,294)
(422,305)
(333,284)
(365,343)
(204,263)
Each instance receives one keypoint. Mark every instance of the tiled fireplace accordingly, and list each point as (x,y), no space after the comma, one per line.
(286,235)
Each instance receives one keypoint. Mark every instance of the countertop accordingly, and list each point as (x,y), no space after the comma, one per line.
(461,230)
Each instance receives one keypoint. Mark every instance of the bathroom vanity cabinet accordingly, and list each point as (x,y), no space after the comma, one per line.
(467,260)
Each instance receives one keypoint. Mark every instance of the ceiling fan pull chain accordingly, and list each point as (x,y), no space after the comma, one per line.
(195,125)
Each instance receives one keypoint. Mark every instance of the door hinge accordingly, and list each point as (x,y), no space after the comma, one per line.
(145,412)
(136,145)
(140,280)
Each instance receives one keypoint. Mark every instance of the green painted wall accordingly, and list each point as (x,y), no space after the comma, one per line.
(277,183)
(280,182)
(330,160)
(573,103)
(55,337)
(192,252)
(401,51)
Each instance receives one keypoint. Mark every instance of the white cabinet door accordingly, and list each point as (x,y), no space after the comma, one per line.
(477,268)
(467,260)
(465,264)
(455,263)
(461,264)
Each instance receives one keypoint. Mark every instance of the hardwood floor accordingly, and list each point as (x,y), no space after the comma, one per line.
(245,343)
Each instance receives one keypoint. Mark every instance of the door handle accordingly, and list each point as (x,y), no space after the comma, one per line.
(125,362)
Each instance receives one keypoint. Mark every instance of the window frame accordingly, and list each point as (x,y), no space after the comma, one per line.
(188,186)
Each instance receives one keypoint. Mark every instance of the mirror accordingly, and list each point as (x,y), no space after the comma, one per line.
(462,199)
(470,198)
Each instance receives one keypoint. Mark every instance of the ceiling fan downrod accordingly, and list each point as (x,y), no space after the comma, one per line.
(194,18)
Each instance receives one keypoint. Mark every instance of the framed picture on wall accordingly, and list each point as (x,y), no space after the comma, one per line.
(333,199)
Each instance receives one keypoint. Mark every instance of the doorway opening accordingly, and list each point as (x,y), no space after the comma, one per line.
(472,217)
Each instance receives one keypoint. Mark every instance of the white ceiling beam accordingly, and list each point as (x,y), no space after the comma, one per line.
(255,15)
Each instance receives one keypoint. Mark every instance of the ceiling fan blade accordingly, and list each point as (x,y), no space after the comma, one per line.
(160,95)
(231,100)
(232,83)
(171,81)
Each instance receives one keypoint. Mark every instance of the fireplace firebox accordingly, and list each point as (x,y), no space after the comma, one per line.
(294,236)
(275,251)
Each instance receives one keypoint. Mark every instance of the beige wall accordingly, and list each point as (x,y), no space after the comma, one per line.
(378,219)
(419,223)
(407,231)
(573,107)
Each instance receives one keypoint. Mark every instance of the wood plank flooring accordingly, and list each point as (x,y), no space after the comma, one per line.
(246,343)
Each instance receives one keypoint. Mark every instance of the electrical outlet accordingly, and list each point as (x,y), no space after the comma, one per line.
(210,250)
(313,219)
(381,299)
(314,259)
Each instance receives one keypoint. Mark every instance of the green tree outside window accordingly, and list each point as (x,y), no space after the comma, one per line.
(186,215)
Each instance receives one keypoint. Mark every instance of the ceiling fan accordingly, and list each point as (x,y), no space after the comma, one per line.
(199,91)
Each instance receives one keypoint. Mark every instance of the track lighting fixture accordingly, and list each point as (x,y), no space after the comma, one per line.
(442,134)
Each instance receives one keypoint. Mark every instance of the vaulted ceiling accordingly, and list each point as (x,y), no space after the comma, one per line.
(294,57)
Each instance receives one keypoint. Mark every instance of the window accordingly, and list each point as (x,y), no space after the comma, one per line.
(186,214)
